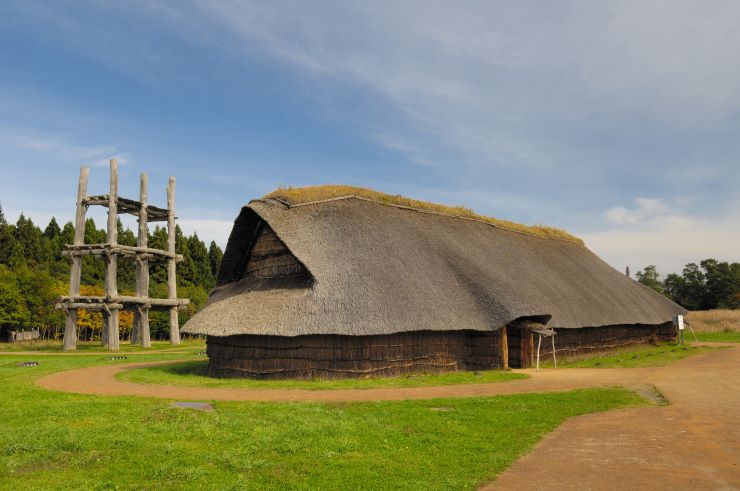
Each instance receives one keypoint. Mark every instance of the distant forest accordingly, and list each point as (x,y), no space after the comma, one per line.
(33,273)
(711,284)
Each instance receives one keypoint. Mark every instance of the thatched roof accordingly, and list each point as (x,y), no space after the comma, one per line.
(376,268)
(310,194)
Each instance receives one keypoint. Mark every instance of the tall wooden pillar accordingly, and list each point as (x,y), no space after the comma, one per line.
(171,263)
(70,325)
(504,348)
(110,316)
(526,347)
(141,334)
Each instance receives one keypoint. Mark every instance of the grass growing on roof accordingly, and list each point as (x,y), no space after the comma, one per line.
(299,195)
(193,374)
(643,356)
(71,441)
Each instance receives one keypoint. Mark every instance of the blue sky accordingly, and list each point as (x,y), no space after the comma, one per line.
(618,121)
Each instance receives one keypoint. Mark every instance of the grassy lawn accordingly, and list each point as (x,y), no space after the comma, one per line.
(57,346)
(643,356)
(53,440)
(719,337)
(193,374)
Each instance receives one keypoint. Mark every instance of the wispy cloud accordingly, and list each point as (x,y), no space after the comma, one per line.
(648,213)
(59,147)
(656,232)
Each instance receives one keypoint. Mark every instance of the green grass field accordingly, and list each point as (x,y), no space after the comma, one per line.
(642,356)
(718,337)
(52,440)
(193,374)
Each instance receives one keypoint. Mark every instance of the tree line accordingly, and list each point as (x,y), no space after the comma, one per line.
(34,273)
(711,284)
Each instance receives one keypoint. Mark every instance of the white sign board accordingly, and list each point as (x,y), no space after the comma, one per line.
(678,322)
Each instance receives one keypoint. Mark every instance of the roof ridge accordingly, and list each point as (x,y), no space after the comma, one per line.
(418,210)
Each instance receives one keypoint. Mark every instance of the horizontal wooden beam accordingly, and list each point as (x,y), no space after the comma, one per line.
(122,250)
(100,307)
(123,299)
(130,206)
(88,306)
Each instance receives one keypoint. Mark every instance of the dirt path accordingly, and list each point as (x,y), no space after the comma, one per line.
(694,443)
(102,380)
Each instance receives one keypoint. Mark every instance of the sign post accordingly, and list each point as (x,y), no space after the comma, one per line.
(679,325)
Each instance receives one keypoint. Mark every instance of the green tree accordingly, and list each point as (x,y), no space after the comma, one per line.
(650,278)
(186,274)
(215,255)
(29,236)
(719,284)
(14,313)
(52,230)
(17,257)
(7,241)
(201,262)
(674,287)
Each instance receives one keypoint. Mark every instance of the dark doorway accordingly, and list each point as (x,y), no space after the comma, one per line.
(521,347)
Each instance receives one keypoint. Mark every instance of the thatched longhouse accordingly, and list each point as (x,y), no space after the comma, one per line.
(359,285)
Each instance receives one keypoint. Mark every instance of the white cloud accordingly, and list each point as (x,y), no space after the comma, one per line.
(58,147)
(649,212)
(652,233)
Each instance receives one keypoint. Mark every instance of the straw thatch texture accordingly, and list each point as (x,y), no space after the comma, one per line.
(375,269)
(329,356)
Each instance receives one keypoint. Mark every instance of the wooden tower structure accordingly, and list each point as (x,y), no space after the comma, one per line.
(111,303)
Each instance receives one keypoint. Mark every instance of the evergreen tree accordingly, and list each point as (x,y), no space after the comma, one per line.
(29,237)
(17,257)
(201,262)
(215,255)
(93,269)
(2,216)
(185,269)
(68,234)
(52,230)
(7,242)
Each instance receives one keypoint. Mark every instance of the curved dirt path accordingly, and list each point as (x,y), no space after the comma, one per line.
(101,380)
(694,443)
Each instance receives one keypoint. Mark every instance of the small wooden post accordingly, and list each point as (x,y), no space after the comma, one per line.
(171,263)
(110,316)
(70,325)
(503,340)
(141,333)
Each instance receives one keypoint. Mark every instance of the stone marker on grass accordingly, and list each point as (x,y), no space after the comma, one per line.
(198,406)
